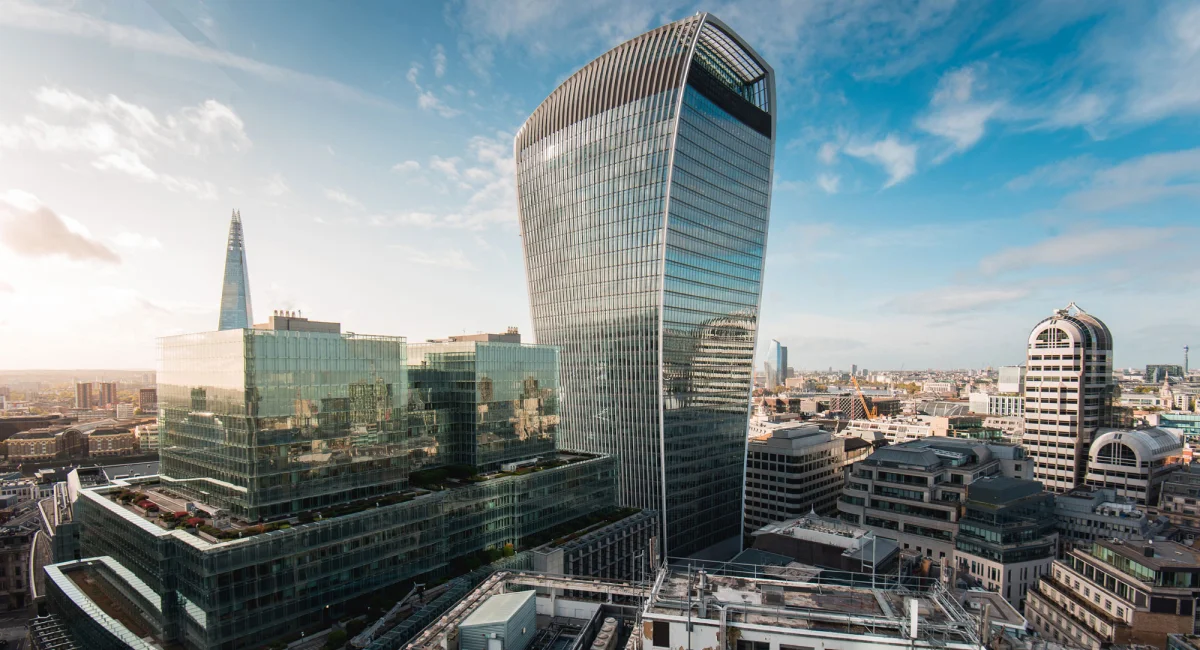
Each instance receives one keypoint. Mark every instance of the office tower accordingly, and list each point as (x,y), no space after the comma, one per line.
(643,184)
(854,369)
(776,367)
(235,290)
(83,395)
(107,393)
(1068,394)
(792,471)
(148,400)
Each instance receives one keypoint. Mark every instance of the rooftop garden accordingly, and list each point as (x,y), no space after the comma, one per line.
(577,527)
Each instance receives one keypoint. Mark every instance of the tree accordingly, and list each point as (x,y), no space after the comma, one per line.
(336,639)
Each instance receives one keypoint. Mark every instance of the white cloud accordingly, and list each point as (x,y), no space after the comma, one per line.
(1063,172)
(136,240)
(898,160)
(954,113)
(957,298)
(31,229)
(829,182)
(448,259)
(447,166)
(414,72)
(53,20)
(124,136)
(828,153)
(1142,180)
(1084,246)
(428,101)
(439,60)
(406,166)
(276,185)
(1160,64)
(338,196)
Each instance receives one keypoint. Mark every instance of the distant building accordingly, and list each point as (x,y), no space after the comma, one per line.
(124,411)
(1011,380)
(1117,592)
(1006,536)
(940,388)
(776,365)
(16,542)
(1068,394)
(511,335)
(147,437)
(83,395)
(33,445)
(148,400)
(111,441)
(236,310)
(1160,371)
(796,470)
(290,321)
(1086,514)
(1133,463)
(106,394)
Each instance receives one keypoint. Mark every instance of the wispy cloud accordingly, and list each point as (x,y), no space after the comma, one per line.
(338,196)
(40,232)
(427,100)
(957,299)
(136,240)
(53,20)
(449,259)
(899,160)
(406,166)
(276,185)
(829,182)
(1056,174)
(1141,180)
(439,60)
(1081,246)
(955,113)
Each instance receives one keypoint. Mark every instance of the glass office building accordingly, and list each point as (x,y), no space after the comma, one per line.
(644,191)
(266,423)
(494,403)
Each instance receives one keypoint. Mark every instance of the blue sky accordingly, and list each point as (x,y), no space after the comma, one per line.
(947,173)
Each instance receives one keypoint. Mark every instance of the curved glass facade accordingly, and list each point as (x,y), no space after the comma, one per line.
(644,191)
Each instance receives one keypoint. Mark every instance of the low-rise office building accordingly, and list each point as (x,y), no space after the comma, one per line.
(793,471)
(1133,463)
(1006,537)
(1179,498)
(620,546)
(1118,592)
(829,543)
(1086,514)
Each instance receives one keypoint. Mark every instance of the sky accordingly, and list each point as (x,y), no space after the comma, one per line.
(946,174)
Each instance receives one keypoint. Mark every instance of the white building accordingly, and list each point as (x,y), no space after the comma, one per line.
(1133,463)
(793,471)
(124,411)
(1068,394)
(1011,380)
(940,388)
(147,437)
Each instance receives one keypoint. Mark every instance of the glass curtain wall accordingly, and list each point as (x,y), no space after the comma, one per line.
(643,185)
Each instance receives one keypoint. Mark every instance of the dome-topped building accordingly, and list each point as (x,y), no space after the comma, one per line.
(1133,462)
(1068,394)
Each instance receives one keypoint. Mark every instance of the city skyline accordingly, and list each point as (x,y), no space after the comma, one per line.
(1065,134)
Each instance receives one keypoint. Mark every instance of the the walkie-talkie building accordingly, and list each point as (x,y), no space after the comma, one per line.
(644,187)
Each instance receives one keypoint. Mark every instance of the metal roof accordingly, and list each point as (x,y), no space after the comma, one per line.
(499,608)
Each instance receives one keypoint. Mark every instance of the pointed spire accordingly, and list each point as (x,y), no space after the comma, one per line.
(235,291)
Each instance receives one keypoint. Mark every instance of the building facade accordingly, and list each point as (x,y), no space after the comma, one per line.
(1114,592)
(1068,394)
(1006,537)
(792,472)
(1179,499)
(1086,514)
(1133,463)
(106,394)
(83,395)
(644,185)
(148,400)
(236,311)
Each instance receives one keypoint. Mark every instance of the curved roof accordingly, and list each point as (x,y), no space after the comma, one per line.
(1148,444)
(645,65)
(1091,331)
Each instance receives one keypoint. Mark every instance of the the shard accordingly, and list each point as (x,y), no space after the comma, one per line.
(235,290)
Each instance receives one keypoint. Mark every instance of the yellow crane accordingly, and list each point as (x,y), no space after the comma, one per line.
(871,412)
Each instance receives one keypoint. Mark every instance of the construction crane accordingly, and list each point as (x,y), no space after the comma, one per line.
(872,413)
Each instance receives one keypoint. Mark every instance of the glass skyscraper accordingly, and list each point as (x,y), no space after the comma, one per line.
(644,186)
(236,312)
(776,365)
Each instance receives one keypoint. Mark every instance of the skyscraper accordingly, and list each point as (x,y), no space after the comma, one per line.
(776,366)
(643,184)
(235,290)
(107,393)
(1068,394)
(83,395)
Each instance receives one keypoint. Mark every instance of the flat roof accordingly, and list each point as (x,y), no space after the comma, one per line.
(499,608)
(1167,555)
